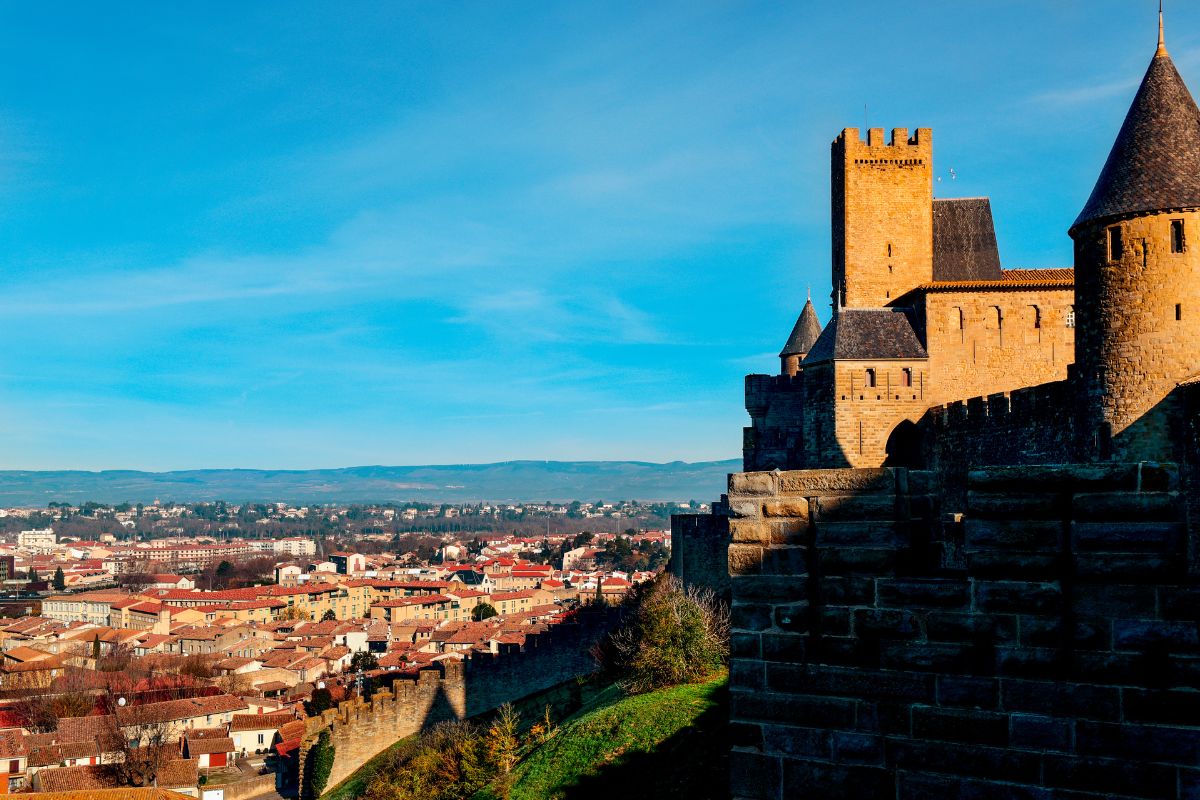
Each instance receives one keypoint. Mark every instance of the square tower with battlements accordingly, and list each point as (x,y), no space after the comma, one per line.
(882,208)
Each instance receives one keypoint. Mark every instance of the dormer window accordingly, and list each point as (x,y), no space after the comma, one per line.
(1116,244)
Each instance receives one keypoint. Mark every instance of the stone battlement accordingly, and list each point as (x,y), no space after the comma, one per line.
(852,140)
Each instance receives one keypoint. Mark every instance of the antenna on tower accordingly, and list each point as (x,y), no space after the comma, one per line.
(1162,43)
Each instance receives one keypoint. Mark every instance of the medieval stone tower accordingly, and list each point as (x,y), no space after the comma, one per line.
(1137,269)
(882,209)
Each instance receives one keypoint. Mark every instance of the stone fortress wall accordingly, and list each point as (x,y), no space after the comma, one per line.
(361,729)
(1043,643)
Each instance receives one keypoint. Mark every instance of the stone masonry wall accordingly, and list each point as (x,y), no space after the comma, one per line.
(1139,320)
(361,729)
(984,342)
(698,550)
(1028,426)
(1044,643)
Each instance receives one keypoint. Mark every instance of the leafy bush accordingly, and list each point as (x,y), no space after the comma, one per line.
(317,766)
(676,635)
(321,699)
(447,762)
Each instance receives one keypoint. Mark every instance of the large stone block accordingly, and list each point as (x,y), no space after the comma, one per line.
(960,725)
(1016,506)
(817,482)
(923,593)
(1008,534)
(790,507)
(1133,506)
(752,483)
(745,559)
(840,508)
(869,534)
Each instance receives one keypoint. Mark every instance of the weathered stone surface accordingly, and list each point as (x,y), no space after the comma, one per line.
(752,483)
(791,507)
(815,482)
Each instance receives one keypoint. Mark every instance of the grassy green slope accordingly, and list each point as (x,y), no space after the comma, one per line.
(669,743)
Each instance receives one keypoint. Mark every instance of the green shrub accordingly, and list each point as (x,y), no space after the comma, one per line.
(675,635)
(450,761)
(317,766)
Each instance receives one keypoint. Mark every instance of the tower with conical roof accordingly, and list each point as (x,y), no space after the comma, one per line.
(1137,273)
(804,336)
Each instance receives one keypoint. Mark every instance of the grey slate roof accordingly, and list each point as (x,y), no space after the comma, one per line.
(867,334)
(804,334)
(964,240)
(1155,163)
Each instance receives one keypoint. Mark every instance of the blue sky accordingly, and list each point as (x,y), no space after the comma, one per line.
(291,235)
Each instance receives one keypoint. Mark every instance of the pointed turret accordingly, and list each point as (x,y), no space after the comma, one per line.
(1155,163)
(1137,302)
(804,336)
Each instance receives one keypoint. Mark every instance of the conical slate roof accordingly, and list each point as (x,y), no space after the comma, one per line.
(805,334)
(1155,163)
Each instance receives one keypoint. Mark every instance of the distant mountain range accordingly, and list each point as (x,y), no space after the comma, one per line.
(451,483)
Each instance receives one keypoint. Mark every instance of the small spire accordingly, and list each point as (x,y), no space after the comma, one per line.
(1162,42)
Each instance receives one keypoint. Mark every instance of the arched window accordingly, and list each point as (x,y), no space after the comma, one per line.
(1037,317)
(906,376)
(1070,316)
(999,317)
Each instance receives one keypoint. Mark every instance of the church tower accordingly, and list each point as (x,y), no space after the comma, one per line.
(1137,273)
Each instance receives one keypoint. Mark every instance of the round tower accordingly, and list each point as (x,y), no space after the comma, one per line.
(1137,274)
(804,335)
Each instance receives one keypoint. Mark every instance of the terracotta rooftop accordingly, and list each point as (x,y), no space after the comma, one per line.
(1009,279)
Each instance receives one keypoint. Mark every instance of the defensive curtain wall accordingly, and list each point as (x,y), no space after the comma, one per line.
(1044,642)
(361,729)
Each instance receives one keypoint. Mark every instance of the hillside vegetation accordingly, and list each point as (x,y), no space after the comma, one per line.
(669,743)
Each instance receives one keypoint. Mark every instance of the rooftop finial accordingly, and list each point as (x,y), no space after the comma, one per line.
(1162,44)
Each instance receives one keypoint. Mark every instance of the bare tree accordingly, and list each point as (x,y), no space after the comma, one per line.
(145,741)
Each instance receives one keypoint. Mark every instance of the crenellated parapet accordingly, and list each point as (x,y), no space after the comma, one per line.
(456,689)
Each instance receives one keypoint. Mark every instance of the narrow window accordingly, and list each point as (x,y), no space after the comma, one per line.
(1037,317)
(870,379)
(1178,311)
(906,376)
(1070,316)
(999,317)
(1177,240)
(1115,244)
(889,249)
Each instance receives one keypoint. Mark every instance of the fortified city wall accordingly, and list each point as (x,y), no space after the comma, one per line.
(1043,643)
(361,729)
